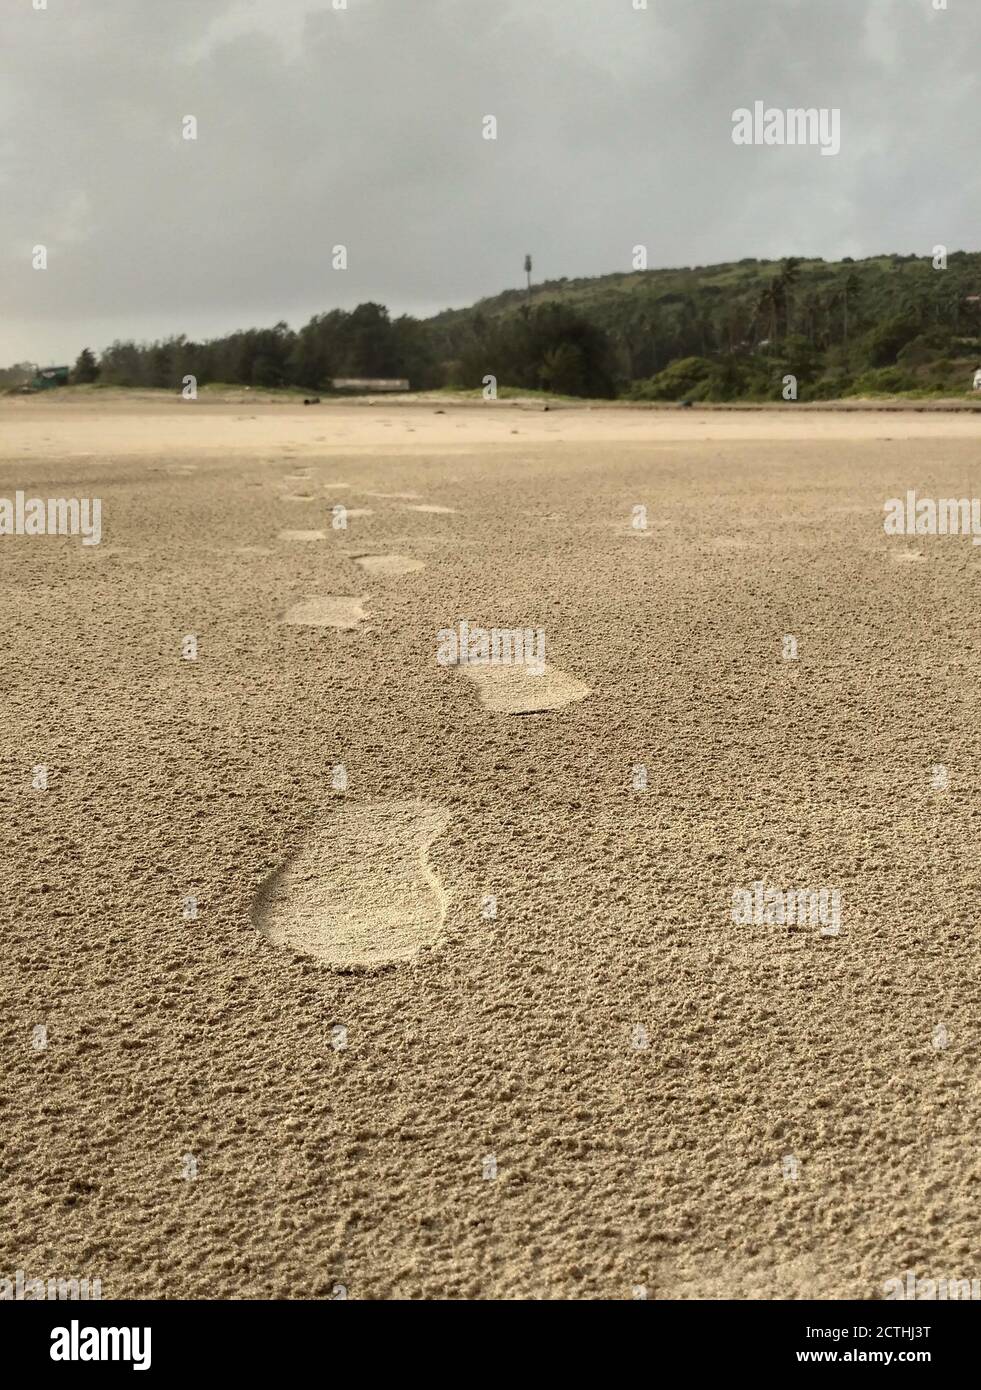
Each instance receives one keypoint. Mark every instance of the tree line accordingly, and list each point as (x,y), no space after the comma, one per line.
(887,324)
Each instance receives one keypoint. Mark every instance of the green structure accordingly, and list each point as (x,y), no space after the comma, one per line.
(47,377)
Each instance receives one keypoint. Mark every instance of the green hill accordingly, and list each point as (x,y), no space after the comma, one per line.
(748,330)
(886,325)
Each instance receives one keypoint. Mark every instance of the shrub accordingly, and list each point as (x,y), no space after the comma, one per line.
(884,381)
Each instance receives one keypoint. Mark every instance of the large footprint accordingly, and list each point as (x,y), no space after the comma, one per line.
(389,564)
(514,690)
(333,610)
(361,890)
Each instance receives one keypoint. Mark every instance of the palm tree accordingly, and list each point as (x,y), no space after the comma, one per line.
(766,304)
(849,289)
(787,281)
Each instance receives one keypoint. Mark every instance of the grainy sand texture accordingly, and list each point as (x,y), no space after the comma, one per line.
(323,973)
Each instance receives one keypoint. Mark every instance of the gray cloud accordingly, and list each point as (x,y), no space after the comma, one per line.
(363,127)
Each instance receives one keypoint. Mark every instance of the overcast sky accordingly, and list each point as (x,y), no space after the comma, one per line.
(362,126)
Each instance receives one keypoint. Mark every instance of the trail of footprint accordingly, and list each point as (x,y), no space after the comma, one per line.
(389,564)
(333,610)
(514,690)
(360,891)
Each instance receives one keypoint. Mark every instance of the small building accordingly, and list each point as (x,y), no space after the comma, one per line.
(47,377)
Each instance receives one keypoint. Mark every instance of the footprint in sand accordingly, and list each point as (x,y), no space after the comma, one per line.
(431,507)
(302,535)
(360,891)
(906,557)
(514,690)
(401,496)
(297,497)
(389,564)
(333,610)
(340,515)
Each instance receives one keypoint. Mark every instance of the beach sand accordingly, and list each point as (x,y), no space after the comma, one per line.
(463,1011)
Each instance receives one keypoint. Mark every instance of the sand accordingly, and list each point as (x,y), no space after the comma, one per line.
(518,689)
(360,891)
(332,610)
(393,565)
(477,1021)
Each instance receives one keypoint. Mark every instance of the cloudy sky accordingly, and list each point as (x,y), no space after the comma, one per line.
(362,126)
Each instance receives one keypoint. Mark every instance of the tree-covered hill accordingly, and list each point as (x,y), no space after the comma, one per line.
(888,325)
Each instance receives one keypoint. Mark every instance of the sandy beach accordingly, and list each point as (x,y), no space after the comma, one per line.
(362,974)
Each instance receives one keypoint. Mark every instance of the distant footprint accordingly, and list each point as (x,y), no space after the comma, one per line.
(430,507)
(122,553)
(338,510)
(906,557)
(389,564)
(361,890)
(302,535)
(402,496)
(334,610)
(297,497)
(514,690)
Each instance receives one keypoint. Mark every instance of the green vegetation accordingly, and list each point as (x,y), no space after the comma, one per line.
(17,375)
(891,325)
(86,369)
(886,326)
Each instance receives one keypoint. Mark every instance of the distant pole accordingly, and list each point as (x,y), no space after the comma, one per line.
(528,272)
